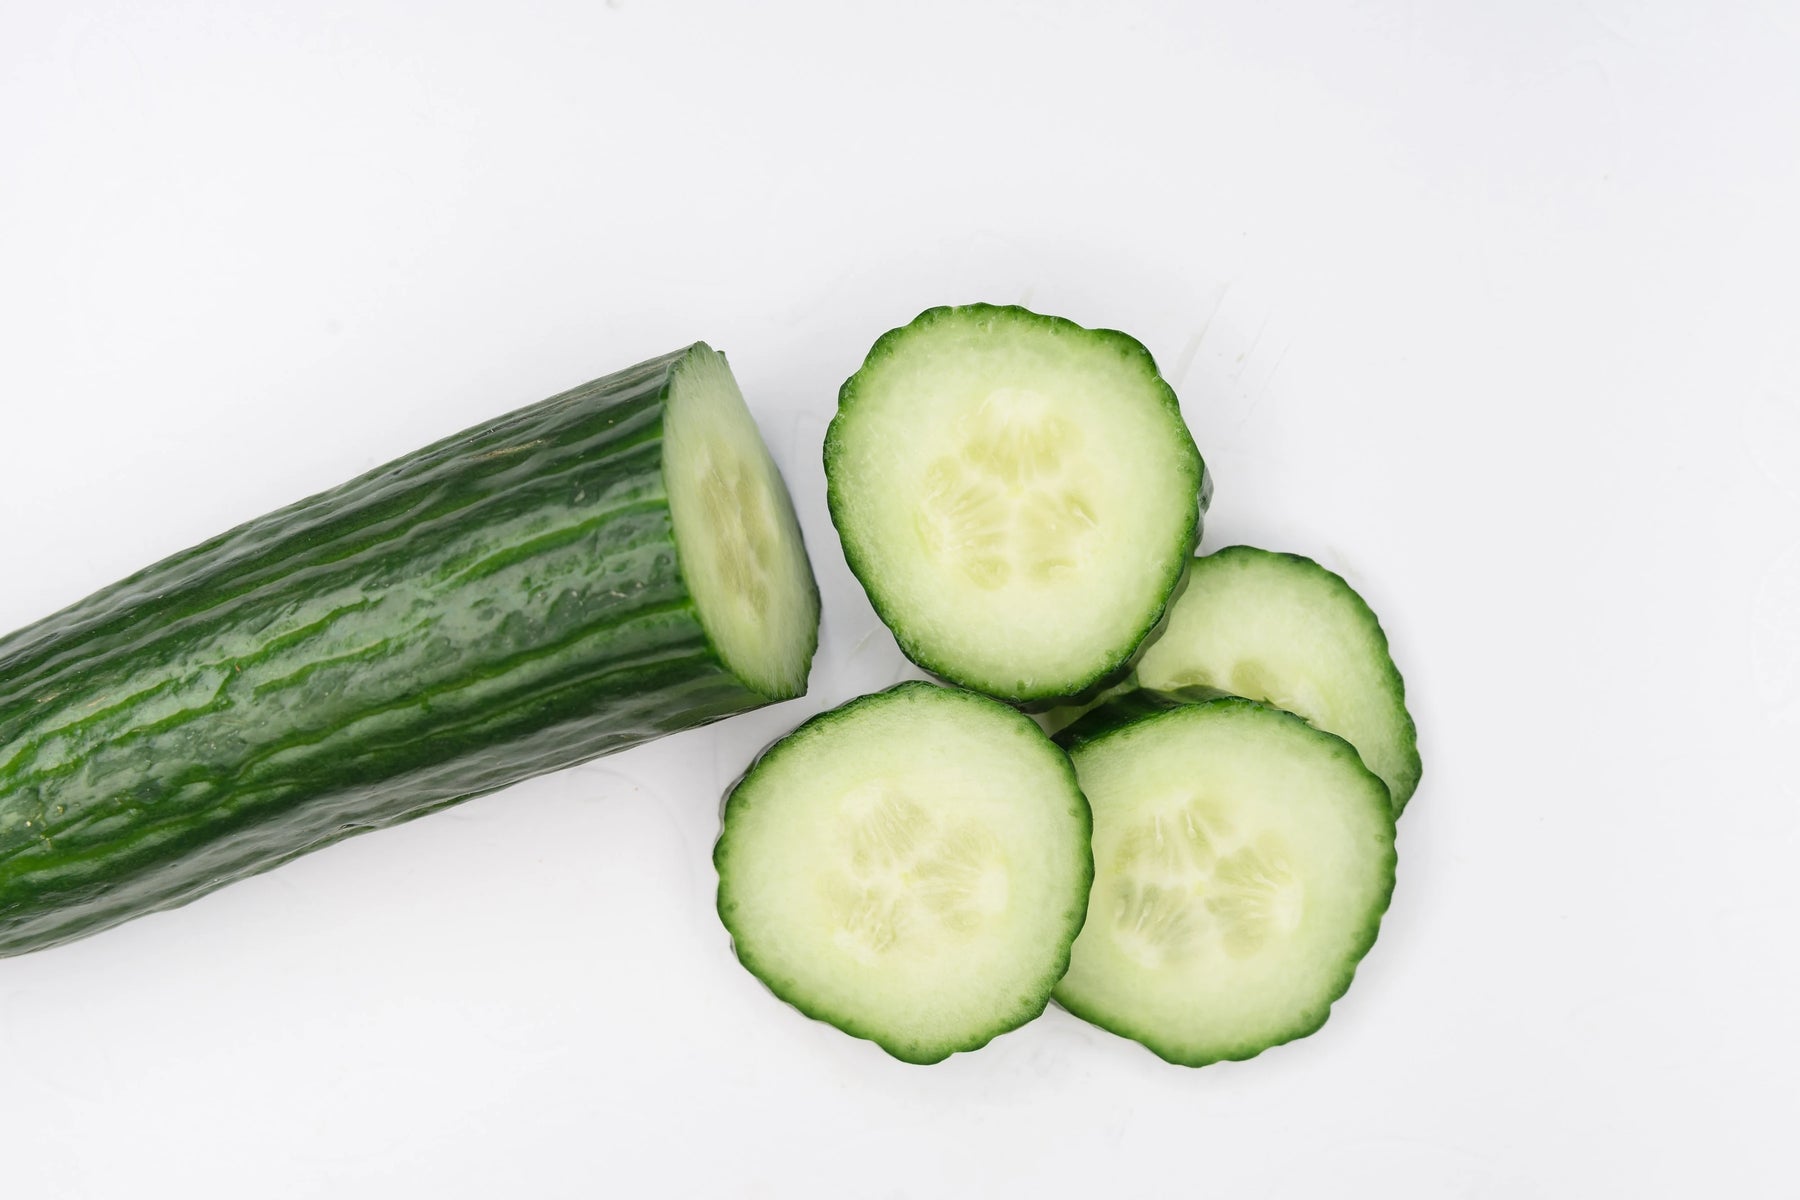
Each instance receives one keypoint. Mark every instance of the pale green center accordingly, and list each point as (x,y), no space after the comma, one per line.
(1011,502)
(1185,881)
(907,877)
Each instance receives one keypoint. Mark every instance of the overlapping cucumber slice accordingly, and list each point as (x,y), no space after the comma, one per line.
(1243,861)
(1281,628)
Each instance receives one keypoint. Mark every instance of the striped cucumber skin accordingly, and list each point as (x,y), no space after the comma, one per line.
(503,603)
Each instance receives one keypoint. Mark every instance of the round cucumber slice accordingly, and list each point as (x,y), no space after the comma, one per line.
(1017,494)
(1242,863)
(741,550)
(911,867)
(1281,628)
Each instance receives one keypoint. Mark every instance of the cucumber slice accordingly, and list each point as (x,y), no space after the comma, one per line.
(1281,628)
(1242,862)
(1017,494)
(911,867)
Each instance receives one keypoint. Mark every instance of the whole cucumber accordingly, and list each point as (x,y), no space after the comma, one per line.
(613,564)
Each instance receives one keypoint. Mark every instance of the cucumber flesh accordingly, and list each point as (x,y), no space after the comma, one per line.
(911,868)
(1243,861)
(1017,494)
(1281,628)
(739,541)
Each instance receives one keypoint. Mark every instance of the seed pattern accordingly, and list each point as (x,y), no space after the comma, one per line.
(966,517)
(737,509)
(1258,895)
(1009,502)
(1185,882)
(1012,440)
(910,874)
(963,880)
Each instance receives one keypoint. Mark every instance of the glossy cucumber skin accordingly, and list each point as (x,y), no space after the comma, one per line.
(503,603)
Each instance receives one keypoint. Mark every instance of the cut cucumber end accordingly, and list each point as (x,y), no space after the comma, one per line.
(1017,494)
(911,867)
(1283,629)
(1243,861)
(741,550)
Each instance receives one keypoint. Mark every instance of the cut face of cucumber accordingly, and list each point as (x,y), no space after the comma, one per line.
(741,549)
(1281,628)
(1242,862)
(1017,494)
(911,868)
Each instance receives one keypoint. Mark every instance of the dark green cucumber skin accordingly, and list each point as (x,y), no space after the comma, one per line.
(1127,705)
(504,603)
(1108,674)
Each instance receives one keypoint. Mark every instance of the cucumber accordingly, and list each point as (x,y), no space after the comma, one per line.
(1242,863)
(1281,628)
(1017,494)
(615,563)
(911,868)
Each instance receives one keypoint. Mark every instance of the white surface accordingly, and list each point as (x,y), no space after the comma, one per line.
(1491,307)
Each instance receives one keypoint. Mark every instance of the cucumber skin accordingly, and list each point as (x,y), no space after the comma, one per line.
(1129,704)
(1142,705)
(1110,674)
(790,995)
(287,684)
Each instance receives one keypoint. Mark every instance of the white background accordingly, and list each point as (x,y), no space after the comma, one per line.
(1494,308)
